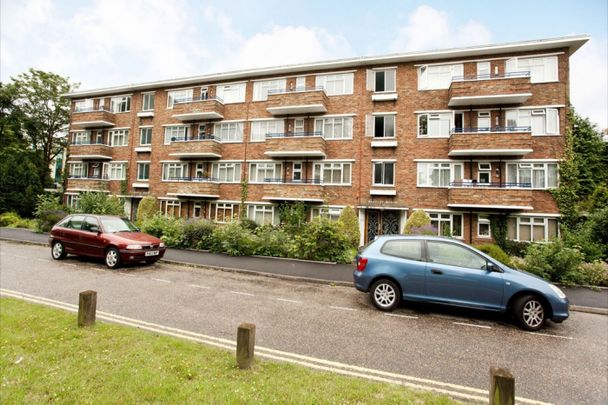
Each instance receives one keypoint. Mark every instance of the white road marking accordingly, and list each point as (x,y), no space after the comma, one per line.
(204,287)
(42,260)
(126,274)
(472,324)
(549,335)
(161,280)
(402,316)
(453,390)
(242,293)
(286,300)
(71,264)
(342,308)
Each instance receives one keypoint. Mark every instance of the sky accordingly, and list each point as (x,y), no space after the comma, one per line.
(101,43)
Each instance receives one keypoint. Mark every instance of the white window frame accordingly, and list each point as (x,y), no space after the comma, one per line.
(231,93)
(382,165)
(141,135)
(177,169)
(484,220)
(171,205)
(533,167)
(147,101)
(175,131)
(229,132)
(120,104)
(78,169)
(139,171)
(119,135)
(544,69)
(427,73)
(264,210)
(260,171)
(259,129)
(429,167)
(441,217)
(385,117)
(332,213)
(84,105)
(319,170)
(81,138)
(531,221)
(225,208)
(431,116)
(484,70)
(336,84)
(180,94)
(334,128)
(117,171)
(261,88)
(221,171)
(390,76)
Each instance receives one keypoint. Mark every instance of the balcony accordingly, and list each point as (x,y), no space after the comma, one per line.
(88,151)
(503,196)
(495,141)
(87,183)
(199,147)
(197,109)
(309,100)
(509,88)
(93,118)
(295,144)
(194,187)
(307,190)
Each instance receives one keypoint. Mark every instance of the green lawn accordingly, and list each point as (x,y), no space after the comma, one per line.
(45,357)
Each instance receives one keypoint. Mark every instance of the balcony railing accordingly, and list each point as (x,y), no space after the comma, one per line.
(195,179)
(195,138)
(296,90)
(490,76)
(293,134)
(86,177)
(196,99)
(490,129)
(475,184)
(92,109)
(292,181)
(88,143)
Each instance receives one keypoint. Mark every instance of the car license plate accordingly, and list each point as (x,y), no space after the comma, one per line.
(152,253)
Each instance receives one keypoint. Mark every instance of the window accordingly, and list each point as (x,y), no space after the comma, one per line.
(483,70)
(119,137)
(484,120)
(75,222)
(175,133)
(542,121)
(535,175)
(83,105)
(384,126)
(197,209)
(300,83)
(447,224)
(261,214)
(296,171)
(120,104)
(231,93)
(148,102)
(384,174)
(90,224)
(485,173)
(226,172)
(204,93)
(382,81)
(483,227)
(532,229)
(259,129)
(438,77)
(225,212)
(171,208)
(438,174)
(73,201)
(434,125)
(261,89)
(229,131)
(78,170)
(202,131)
(174,171)
(336,84)
(332,173)
(81,138)
(258,172)
(541,69)
(326,212)
(143,171)
(145,136)
(335,128)
(117,171)
(454,255)
(298,126)
(403,248)
(177,95)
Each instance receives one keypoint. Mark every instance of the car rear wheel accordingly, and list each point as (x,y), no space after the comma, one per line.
(112,258)
(385,294)
(530,312)
(58,251)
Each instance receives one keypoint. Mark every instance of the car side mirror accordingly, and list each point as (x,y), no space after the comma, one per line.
(491,267)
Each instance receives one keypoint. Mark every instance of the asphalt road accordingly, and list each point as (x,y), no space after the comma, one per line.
(566,364)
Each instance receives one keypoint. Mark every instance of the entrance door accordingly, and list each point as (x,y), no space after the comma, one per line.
(382,223)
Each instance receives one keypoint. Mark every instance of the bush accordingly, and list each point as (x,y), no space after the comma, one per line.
(418,219)
(198,234)
(292,216)
(100,203)
(423,230)
(169,230)
(515,248)
(595,273)
(554,261)
(324,240)
(13,220)
(148,207)
(234,240)
(495,252)
(248,224)
(272,241)
(49,211)
(350,224)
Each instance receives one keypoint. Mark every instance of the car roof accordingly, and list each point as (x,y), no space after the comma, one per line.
(417,237)
(98,216)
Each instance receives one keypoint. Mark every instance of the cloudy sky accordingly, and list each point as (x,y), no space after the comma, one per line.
(102,43)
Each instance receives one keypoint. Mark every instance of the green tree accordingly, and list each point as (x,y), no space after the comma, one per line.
(148,207)
(418,219)
(100,203)
(292,215)
(350,223)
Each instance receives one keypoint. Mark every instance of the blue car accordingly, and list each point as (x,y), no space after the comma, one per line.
(445,271)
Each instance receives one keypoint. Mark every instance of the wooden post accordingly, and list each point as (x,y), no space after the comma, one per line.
(87,305)
(245,344)
(502,387)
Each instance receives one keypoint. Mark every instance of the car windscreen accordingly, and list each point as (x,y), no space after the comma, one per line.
(112,225)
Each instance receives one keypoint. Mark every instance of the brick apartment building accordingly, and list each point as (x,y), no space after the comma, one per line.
(460,133)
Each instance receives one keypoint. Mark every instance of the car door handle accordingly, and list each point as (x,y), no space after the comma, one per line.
(435,271)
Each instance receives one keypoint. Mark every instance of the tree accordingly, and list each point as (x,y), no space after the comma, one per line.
(418,220)
(92,202)
(148,207)
(350,223)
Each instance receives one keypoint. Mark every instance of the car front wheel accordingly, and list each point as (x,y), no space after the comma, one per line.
(530,312)
(112,258)
(58,251)
(385,295)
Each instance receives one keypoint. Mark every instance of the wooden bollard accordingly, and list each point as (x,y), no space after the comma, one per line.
(245,344)
(502,387)
(87,305)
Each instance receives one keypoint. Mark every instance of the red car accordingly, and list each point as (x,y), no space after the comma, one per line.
(115,239)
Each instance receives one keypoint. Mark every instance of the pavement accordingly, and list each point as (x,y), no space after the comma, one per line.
(448,349)
(594,300)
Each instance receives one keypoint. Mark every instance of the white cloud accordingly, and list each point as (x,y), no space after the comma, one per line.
(428,28)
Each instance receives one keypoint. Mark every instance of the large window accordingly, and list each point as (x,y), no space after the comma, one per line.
(147,102)
(81,138)
(438,76)
(384,126)
(174,171)
(335,128)
(434,125)
(258,172)
(447,224)
(84,105)
(143,171)
(184,94)
(78,170)
(175,133)
(120,104)
(536,175)
(231,93)
(438,174)
(224,212)
(259,129)
(171,208)
(384,174)
(543,121)
(332,213)
(532,229)
(404,248)
(382,81)
(455,255)
(119,137)
(541,69)
(483,227)
(229,131)
(336,84)
(226,172)
(117,171)
(145,136)
(261,89)
(261,214)
(333,173)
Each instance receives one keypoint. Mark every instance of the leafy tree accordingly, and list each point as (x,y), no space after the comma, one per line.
(418,219)
(293,216)
(100,203)
(350,223)
(148,207)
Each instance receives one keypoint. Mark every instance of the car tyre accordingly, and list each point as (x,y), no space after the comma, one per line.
(112,258)
(385,294)
(58,251)
(530,312)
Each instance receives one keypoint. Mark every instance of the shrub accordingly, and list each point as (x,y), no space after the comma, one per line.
(595,273)
(234,240)
(495,252)
(198,233)
(148,207)
(248,224)
(169,230)
(272,241)
(100,203)
(292,216)
(423,230)
(554,261)
(515,248)
(49,211)
(13,220)
(418,219)
(324,240)
(350,224)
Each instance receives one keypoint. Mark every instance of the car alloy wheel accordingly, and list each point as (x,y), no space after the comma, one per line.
(385,295)
(533,313)
(57,251)
(112,258)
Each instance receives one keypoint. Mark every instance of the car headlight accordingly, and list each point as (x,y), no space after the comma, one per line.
(162,244)
(557,291)
(134,247)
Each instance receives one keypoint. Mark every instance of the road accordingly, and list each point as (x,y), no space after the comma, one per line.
(565,364)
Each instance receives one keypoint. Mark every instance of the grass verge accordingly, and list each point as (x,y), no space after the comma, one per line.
(45,357)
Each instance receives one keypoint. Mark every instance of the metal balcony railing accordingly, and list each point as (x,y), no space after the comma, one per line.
(489,76)
(295,90)
(293,134)
(195,138)
(87,177)
(490,129)
(88,142)
(194,179)
(476,184)
(292,181)
(92,109)
(196,99)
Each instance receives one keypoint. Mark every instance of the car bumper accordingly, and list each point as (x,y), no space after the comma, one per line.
(361,281)
(560,310)
(131,256)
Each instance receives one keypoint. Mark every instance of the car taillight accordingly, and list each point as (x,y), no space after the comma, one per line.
(361,263)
